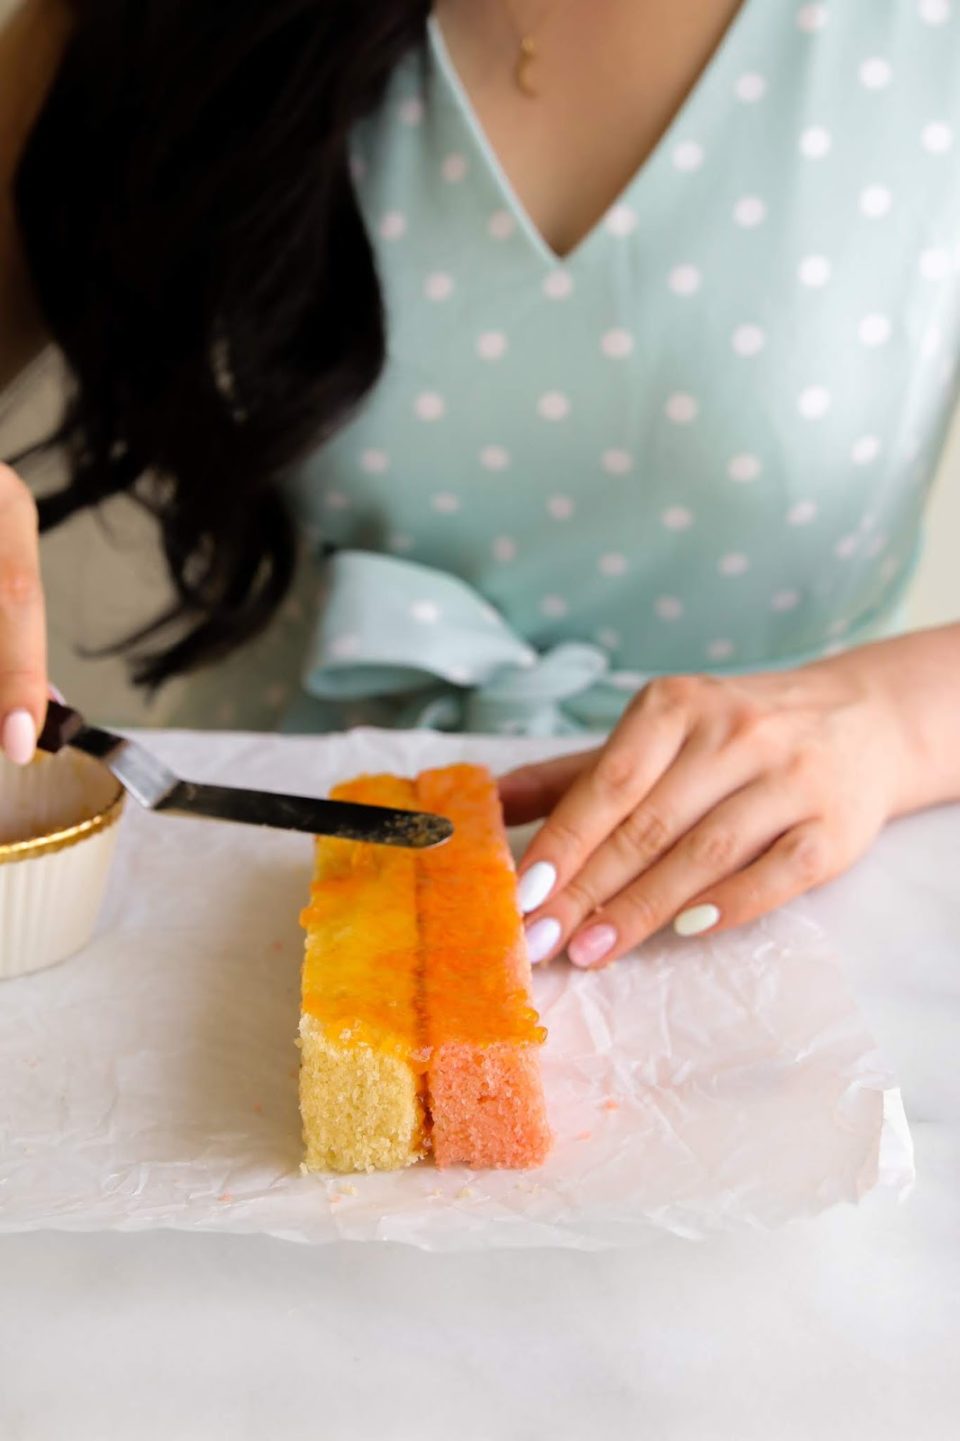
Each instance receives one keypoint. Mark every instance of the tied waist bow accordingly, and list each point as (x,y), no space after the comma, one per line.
(447,660)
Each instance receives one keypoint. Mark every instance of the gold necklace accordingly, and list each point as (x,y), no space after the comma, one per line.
(527,49)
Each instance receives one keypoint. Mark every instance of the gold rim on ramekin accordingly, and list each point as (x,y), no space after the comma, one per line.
(67,836)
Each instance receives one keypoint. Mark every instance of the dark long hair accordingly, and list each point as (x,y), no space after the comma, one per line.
(196,247)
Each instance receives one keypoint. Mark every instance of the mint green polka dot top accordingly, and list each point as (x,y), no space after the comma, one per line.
(701,441)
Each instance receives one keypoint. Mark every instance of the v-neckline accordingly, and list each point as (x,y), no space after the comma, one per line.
(711,74)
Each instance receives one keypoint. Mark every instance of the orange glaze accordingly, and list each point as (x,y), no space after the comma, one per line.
(475,969)
(362,962)
(407,949)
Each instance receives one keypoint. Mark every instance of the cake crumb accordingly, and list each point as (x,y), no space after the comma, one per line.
(465,1193)
(349,1190)
(258,1107)
(276,946)
(225,1197)
(611,1104)
(583,1136)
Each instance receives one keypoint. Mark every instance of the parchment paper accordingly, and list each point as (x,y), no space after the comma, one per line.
(151,1081)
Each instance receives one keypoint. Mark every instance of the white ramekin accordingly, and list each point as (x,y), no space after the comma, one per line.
(58,830)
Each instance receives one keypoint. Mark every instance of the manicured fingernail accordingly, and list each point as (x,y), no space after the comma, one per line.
(696,920)
(542,937)
(56,694)
(591,946)
(19,737)
(535,885)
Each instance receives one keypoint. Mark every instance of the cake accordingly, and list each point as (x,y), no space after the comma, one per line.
(417,1031)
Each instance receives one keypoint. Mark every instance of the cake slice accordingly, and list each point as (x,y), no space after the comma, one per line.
(417,1029)
(482,1035)
(361,1072)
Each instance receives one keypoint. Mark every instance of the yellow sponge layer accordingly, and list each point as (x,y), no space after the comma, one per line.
(361,1070)
(361,1107)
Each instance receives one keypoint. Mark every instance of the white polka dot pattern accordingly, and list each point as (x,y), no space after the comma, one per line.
(617,462)
(750,211)
(874,330)
(617,344)
(750,87)
(735,563)
(446,502)
(438,286)
(681,408)
(937,138)
(501,225)
(492,345)
(621,220)
(814,402)
(494,457)
(876,201)
(454,168)
(430,406)
(815,271)
(748,340)
(865,450)
(375,462)
(558,285)
(876,73)
(393,225)
(553,405)
(688,155)
(935,12)
(816,142)
(702,437)
(744,467)
(811,18)
(685,280)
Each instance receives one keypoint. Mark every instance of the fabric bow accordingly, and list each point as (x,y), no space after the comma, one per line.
(446,659)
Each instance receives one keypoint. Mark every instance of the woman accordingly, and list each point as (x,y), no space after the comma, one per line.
(606,351)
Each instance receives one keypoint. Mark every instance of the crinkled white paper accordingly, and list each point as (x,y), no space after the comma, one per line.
(151,1081)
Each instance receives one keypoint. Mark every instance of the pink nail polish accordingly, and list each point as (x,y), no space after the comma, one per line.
(18,737)
(590,946)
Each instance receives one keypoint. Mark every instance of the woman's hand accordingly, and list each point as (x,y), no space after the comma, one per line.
(715,801)
(23,647)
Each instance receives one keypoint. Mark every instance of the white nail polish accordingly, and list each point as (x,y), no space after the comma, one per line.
(696,920)
(535,885)
(542,937)
(19,737)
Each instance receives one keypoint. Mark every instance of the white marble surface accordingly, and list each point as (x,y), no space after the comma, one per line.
(845,1327)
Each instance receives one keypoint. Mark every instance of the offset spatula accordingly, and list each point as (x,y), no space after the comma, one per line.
(157,788)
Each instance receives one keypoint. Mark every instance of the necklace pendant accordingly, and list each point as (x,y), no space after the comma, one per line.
(526,59)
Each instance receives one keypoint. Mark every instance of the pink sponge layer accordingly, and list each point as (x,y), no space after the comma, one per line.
(488,1107)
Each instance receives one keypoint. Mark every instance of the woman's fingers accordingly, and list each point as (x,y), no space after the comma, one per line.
(641,749)
(700,779)
(802,858)
(728,839)
(530,792)
(23,685)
